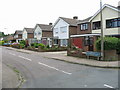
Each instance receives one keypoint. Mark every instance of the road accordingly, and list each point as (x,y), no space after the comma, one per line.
(41,72)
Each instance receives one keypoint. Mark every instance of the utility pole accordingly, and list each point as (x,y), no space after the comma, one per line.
(102,36)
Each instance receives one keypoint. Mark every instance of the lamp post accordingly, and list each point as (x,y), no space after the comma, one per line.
(102,36)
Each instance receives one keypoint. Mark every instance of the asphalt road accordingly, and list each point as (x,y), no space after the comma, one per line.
(40,72)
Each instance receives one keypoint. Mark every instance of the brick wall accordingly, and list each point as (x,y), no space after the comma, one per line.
(30,35)
(73,30)
(47,34)
(79,31)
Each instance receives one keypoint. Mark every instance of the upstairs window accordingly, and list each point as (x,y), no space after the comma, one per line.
(56,30)
(112,23)
(96,25)
(84,26)
(39,33)
(63,29)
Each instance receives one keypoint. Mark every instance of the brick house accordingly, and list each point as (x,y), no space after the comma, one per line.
(28,34)
(89,30)
(62,29)
(43,34)
(18,35)
(84,39)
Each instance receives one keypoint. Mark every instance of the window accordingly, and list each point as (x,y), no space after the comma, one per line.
(88,41)
(63,42)
(35,34)
(39,33)
(63,29)
(84,26)
(96,25)
(112,23)
(55,41)
(56,30)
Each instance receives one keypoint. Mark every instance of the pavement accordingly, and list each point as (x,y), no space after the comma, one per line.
(39,71)
(62,56)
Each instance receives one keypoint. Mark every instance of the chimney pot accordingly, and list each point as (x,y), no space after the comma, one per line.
(50,23)
(75,17)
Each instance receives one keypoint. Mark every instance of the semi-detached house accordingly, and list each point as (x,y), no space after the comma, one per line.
(89,29)
(62,29)
(110,19)
(28,34)
(43,34)
(18,35)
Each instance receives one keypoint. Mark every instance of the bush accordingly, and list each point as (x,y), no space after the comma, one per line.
(110,43)
(1,43)
(48,46)
(22,42)
(41,45)
(35,45)
(22,45)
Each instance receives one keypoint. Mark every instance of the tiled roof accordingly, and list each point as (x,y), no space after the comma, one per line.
(18,31)
(45,27)
(72,22)
(84,20)
(29,30)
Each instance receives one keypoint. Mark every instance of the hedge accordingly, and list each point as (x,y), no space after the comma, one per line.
(110,43)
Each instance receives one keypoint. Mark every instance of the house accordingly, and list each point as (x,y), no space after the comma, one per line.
(89,30)
(110,20)
(8,38)
(18,35)
(84,39)
(43,34)
(62,29)
(28,34)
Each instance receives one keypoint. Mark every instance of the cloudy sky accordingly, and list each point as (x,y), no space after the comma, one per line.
(17,14)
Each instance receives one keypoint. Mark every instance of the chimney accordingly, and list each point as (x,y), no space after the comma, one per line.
(75,17)
(50,24)
(118,7)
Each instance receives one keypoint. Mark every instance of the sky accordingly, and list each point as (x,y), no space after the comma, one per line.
(17,14)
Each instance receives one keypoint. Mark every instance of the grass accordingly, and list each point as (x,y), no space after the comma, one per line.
(20,77)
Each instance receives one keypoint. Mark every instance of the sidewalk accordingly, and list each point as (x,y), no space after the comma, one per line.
(62,56)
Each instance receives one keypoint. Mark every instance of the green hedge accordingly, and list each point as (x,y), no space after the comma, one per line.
(110,43)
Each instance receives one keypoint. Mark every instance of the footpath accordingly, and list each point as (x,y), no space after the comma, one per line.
(62,56)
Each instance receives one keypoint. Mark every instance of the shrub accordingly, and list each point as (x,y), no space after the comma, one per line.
(22,42)
(32,44)
(1,43)
(110,43)
(41,45)
(22,45)
(35,45)
(48,46)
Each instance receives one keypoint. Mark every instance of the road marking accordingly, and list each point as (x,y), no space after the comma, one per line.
(54,68)
(12,54)
(25,58)
(108,86)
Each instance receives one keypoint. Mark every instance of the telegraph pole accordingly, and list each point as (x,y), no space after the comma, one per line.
(102,36)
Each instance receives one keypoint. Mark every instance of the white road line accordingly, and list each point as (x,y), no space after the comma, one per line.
(54,68)
(108,86)
(12,54)
(25,58)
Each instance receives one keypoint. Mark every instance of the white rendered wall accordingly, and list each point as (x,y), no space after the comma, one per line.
(108,13)
(61,23)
